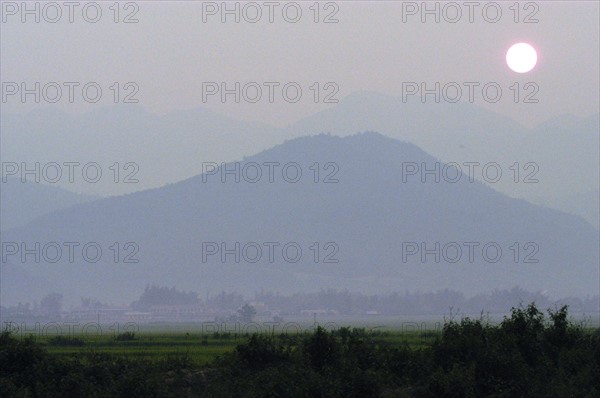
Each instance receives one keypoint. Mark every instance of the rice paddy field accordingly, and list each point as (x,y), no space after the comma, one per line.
(203,342)
(154,343)
(153,346)
(524,356)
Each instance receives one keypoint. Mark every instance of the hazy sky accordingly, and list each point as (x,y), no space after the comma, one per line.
(170,52)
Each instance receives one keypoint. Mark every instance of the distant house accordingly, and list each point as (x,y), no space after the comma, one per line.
(178,312)
(105,314)
(319,311)
(138,316)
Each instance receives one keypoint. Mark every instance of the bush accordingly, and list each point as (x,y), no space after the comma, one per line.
(62,341)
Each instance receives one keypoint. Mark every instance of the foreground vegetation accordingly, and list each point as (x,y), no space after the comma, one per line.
(527,355)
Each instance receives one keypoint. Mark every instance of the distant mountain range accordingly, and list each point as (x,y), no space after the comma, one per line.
(562,153)
(165,148)
(23,202)
(371,221)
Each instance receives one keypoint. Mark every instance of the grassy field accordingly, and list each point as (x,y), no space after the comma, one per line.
(202,348)
(154,346)
(162,341)
(528,354)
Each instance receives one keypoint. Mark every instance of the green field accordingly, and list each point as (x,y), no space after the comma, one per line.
(153,344)
(201,348)
(158,341)
(528,355)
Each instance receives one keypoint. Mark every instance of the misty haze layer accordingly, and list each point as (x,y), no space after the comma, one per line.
(365,207)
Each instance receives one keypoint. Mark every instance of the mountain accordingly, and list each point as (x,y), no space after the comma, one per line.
(19,285)
(22,202)
(585,204)
(548,165)
(368,220)
(555,161)
(162,148)
(568,149)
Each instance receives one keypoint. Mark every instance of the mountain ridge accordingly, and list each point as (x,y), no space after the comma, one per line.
(368,214)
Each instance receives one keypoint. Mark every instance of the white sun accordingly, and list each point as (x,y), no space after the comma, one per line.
(521,57)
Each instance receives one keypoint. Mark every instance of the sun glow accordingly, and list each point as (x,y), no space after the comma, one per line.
(521,57)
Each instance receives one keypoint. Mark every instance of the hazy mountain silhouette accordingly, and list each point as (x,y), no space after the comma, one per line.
(167,148)
(565,149)
(568,149)
(368,214)
(20,285)
(25,201)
